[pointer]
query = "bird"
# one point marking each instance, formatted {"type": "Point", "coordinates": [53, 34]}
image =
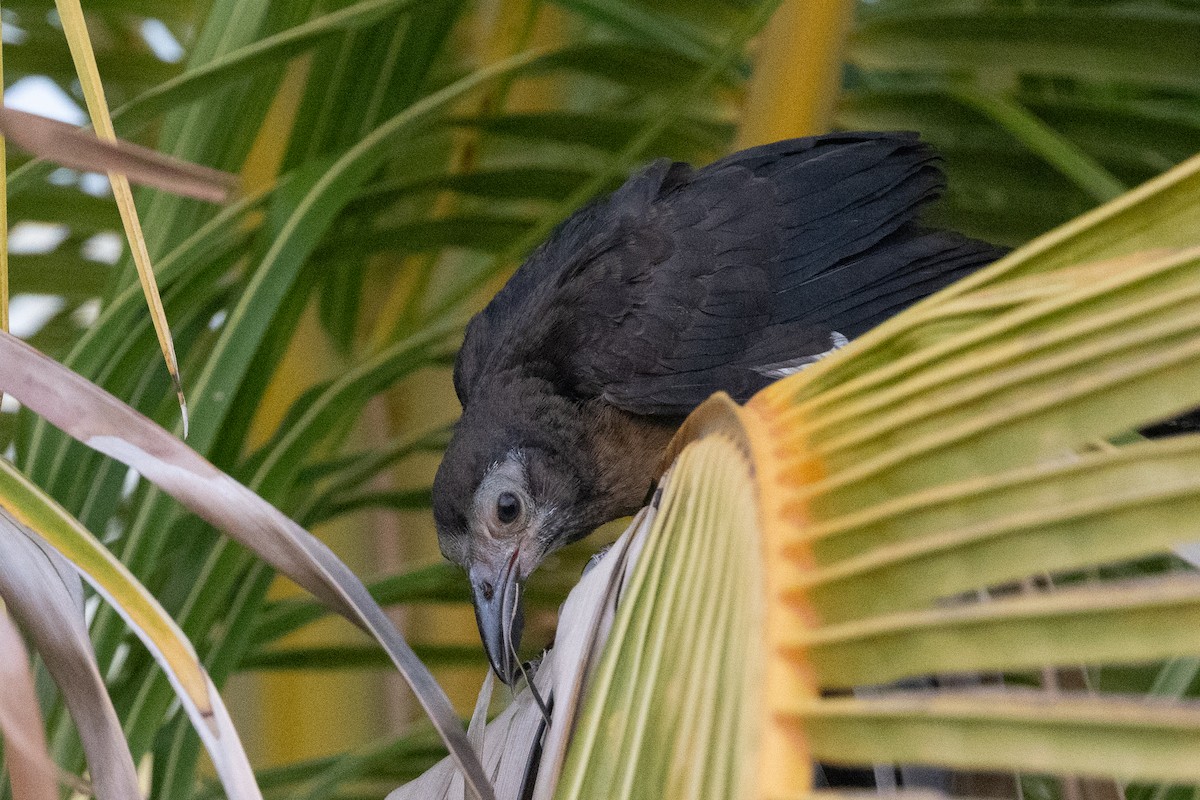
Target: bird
{"type": "Point", "coordinates": [682, 282]}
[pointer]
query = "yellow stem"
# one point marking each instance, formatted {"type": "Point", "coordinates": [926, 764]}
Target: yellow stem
{"type": "Point", "coordinates": [505, 27]}
{"type": "Point", "coordinates": [797, 73]}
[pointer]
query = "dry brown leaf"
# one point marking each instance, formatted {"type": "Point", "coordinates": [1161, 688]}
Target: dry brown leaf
{"type": "Point", "coordinates": [79, 148]}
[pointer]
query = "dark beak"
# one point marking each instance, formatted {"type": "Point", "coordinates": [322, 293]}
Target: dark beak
{"type": "Point", "coordinates": [497, 595]}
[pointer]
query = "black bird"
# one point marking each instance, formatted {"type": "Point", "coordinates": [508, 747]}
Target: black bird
{"type": "Point", "coordinates": [681, 283]}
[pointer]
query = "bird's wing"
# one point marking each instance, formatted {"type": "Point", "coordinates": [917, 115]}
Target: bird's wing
{"type": "Point", "coordinates": [687, 282]}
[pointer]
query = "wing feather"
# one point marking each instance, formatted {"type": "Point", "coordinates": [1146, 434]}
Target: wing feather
{"type": "Point", "coordinates": [685, 282]}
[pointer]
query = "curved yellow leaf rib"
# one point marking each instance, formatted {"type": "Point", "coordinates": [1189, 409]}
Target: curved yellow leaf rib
{"type": "Point", "coordinates": [674, 707]}
{"type": "Point", "coordinates": [782, 764]}
{"type": "Point", "coordinates": [1059, 326]}
{"type": "Point", "coordinates": [1036, 492]}
{"type": "Point", "coordinates": [1004, 729]}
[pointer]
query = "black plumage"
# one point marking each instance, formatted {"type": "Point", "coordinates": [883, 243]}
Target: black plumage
{"type": "Point", "coordinates": [681, 283]}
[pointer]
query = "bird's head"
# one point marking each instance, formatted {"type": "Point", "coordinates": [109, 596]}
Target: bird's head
{"type": "Point", "coordinates": [507, 494]}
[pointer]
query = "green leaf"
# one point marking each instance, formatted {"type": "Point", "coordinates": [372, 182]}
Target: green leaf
{"type": "Point", "coordinates": [1088, 625]}
{"type": "Point", "coordinates": [515, 183]}
{"type": "Point", "coordinates": [400, 500]}
{"type": "Point", "coordinates": [353, 470]}
{"type": "Point", "coordinates": [58, 272]}
{"type": "Point", "coordinates": [652, 69]}
{"type": "Point", "coordinates": [644, 25]}
{"type": "Point", "coordinates": [84, 212]}
{"type": "Point", "coordinates": [1176, 676]}
{"type": "Point", "coordinates": [604, 130]}
{"type": "Point", "coordinates": [299, 235]}
{"type": "Point", "coordinates": [44, 52]}
{"type": "Point", "coordinates": [239, 64]}
{"type": "Point", "coordinates": [1148, 45]}
{"type": "Point", "coordinates": [395, 759]}
{"type": "Point", "coordinates": [1008, 729]}
{"type": "Point", "coordinates": [436, 583]}
{"type": "Point", "coordinates": [1043, 140]}
{"type": "Point", "coordinates": [482, 232]}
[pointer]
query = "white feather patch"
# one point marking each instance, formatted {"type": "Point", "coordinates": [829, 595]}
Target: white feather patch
{"type": "Point", "coordinates": [785, 368]}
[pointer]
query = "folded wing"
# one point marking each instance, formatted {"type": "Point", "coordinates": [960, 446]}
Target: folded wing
{"type": "Point", "coordinates": [685, 282]}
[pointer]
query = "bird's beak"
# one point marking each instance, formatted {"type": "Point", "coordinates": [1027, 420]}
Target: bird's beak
{"type": "Point", "coordinates": [496, 590]}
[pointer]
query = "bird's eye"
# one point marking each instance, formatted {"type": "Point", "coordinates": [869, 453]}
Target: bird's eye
{"type": "Point", "coordinates": [508, 507]}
